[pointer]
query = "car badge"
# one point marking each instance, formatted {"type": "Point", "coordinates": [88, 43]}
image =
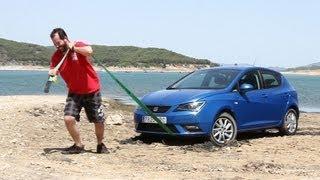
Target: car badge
{"type": "Point", "coordinates": [155, 109]}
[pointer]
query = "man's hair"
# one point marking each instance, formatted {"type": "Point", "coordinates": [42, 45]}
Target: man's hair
{"type": "Point", "coordinates": [62, 34]}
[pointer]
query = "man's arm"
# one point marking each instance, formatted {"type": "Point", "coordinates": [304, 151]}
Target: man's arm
{"type": "Point", "coordinates": [53, 63]}
{"type": "Point", "coordinates": [85, 50]}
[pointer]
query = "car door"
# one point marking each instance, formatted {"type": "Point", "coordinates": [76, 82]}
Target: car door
{"type": "Point", "coordinates": [276, 96]}
{"type": "Point", "coordinates": [250, 107]}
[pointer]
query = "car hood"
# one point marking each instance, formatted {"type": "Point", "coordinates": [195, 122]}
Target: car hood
{"type": "Point", "coordinates": [177, 96]}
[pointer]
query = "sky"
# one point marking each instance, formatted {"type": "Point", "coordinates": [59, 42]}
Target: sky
{"type": "Point", "coordinates": [281, 33]}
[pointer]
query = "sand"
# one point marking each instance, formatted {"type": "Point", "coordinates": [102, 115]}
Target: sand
{"type": "Point", "coordinates": [32, 131]}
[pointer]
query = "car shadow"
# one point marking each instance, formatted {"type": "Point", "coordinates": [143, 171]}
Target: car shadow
{"type": "Point", "coordinates": [243, 138]}
{"type": "Point", "coordinates": [246, 136]}
{"type": "Point", "coordinates": [164, 139]}
{"type": "Point", "coordinates": [313, 131]}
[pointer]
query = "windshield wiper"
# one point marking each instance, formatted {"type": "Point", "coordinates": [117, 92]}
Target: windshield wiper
{"type": "Point", "coordinates": [168, 88]}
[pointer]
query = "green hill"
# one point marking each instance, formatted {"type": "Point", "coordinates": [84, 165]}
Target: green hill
{"type": "Point", "coordinates": [17, 53]}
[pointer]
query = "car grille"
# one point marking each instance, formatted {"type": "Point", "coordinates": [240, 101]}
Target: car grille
{"type": "Point", "coordinates": [159, 109]}
{"type": "Point", "coordinates": [155, 127]}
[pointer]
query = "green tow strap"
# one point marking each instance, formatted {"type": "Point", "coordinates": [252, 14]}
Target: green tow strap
{"type": "Point", "coordinates": [143, 106]}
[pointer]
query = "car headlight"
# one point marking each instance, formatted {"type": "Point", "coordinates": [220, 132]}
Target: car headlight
{"type": "Point", "coordinates": [192, 106]}
{"type": "Point", "coordinates": [138, 108]}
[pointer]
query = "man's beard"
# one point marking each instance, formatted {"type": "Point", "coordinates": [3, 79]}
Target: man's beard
{"type": "Point", "coordinates": [63, 48]}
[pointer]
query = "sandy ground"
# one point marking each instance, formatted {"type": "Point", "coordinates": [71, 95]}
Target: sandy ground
{"type": "Point", "coordinates": [32, 134]}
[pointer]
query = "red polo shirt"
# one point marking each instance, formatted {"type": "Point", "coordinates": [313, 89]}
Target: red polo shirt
{"type": "Point", "coordinates": [77, 71]}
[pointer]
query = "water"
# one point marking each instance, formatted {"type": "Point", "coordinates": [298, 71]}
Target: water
{"type": "Point", "coordinates": [32, 83]}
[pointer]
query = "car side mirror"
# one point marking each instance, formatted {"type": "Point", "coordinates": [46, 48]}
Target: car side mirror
{"type": "Point", "coordinates": [246, 87]}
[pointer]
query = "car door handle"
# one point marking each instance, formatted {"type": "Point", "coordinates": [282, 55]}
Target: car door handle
{"type": "Point", "coordinates": [264, 95]}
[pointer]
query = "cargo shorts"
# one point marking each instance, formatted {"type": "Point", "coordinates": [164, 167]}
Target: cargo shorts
{"type": "Point", "coordinates": [91, 104]}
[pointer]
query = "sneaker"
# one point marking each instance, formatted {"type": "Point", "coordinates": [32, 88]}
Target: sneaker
{"type": "Point", "coordinates": [101, 148]}
{"type": "Point", "coordinates": [74, 149]}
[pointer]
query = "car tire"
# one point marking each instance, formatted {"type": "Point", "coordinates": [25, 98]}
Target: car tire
{"type": "Point", "coordinates": [290, 123]}
{"type": "Point", "coordinates": [224, 130]}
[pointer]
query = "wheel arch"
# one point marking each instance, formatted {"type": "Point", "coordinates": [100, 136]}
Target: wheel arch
{"type": "Point", "coordinates": [228, 110]}
{"type": "Point", "coordinates": [296, 108]}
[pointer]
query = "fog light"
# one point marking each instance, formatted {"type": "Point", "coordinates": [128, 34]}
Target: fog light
{"type": "Point", "coordinates": [192, 128]}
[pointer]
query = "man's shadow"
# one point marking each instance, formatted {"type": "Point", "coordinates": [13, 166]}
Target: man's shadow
{"type": "Point", "coordinates": [47, 151]}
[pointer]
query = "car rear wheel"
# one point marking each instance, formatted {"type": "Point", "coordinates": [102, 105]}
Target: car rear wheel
{"type": "Point", "coordinates": [290, 123]}
{"type": "Point", "coordinates": [224, 130]}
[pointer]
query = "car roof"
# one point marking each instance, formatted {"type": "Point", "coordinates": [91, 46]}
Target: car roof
{"type": "Point", "coordinates": [242, 68]}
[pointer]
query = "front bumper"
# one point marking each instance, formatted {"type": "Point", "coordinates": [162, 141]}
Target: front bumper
{"type": "Point", "coordinates": [180, 123]}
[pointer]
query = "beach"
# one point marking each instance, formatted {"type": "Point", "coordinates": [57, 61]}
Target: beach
{"type": "Point", "coordinates": [304, 72]}
{"type": "Point", "coordinates": [169, 68]}
{"type": "Point", "coordinates": [32, 133]}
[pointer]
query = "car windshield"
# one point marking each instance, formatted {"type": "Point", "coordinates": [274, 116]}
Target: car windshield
{"type": "Point", "coordinates": [206, 79]}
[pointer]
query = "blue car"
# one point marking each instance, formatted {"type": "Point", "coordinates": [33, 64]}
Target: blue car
{"type": "Point", "coordinates": [221, 102]}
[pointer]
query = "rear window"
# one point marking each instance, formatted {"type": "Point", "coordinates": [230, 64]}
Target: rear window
{"type": "Point", "coordinates": [270, 79]}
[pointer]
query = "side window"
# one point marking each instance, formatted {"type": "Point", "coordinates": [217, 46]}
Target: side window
{"type": "Point", "coordinates": [270, 79]}
{"type": "Point", "coordinates": [251, 78]}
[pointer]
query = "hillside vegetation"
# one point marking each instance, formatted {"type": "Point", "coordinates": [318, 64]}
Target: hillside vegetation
{"type": "Point", "coordinates": [18, 53]}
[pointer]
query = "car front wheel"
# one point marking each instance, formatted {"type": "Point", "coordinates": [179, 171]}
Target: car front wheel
{"type": "Point", "coordinates": [290, 123]}
{"type": "Point", "coordinates": [224, 130]}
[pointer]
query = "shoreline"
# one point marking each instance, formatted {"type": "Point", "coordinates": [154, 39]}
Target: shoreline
{"type": "Point", "coordinates": [180, 69]}
{"type": "Point", "coordinates": [303, 72]}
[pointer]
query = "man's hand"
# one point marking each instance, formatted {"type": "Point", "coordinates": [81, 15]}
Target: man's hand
{"type": "Point", "coordinates": [52, 72]}
{"type": "Point", "coordinates": [69, 44]}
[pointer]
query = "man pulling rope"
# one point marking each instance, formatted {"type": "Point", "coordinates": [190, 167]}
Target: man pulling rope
{"type": "Point", "coordinates": [83, 88]}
